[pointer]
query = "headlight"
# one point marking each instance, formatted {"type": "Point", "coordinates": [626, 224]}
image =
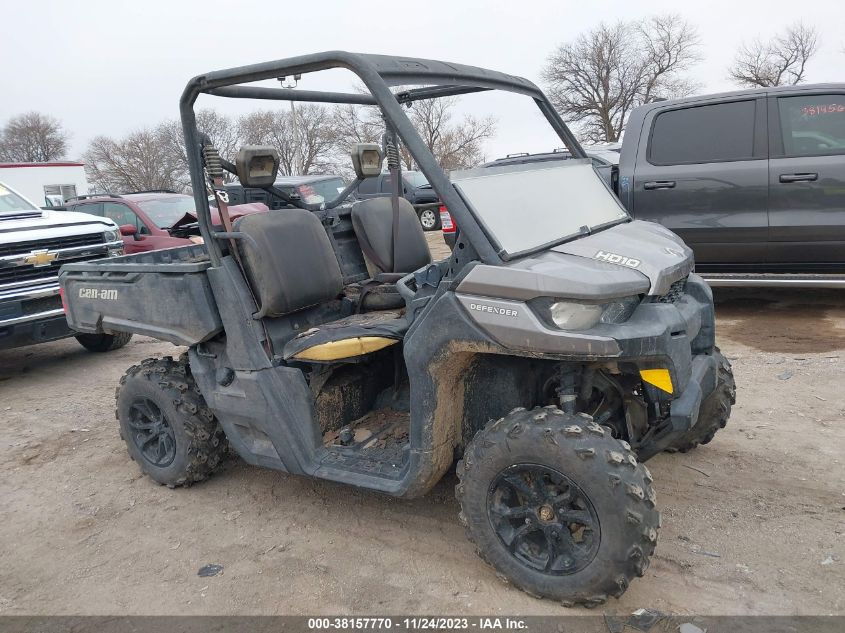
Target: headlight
{"type": "Point", "coordinates": [577, 315]}
{"type": "Point", "coordinates": [111, 235]}
{"type": "Point", "coordinates": [196, 239]}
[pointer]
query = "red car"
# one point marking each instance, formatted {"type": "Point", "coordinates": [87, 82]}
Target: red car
{"type": "Point", "coordinates": [152, 220]}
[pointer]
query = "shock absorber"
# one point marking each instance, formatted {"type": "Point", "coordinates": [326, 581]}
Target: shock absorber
{"type": "Point", "coordinates": [391, 151]}
{"type": "Point", "coordinates": [213, 164]}
{"type": "Point", "coordinates": [567, 392]}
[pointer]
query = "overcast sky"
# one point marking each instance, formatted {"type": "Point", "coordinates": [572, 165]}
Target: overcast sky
{"type": "Point", "coordinates": [108, 67]}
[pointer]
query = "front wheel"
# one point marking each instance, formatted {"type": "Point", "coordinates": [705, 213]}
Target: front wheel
{"type": "Point", "coordinates": [103, 342]}
{"type": "Point", "coordinates": [714, 411]}
{"type": "Point", "coordinates": [167, 426]}
{"type": "Point", "coordinates": [557, 506]}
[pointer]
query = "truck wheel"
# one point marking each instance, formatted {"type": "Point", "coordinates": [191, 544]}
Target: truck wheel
{"type": "Point", "coordinates": [557, 506]}
{"type": "Point", "coordinates": [103, 342]}
{"type": "Point", "coordinates": [167, 427]}
{"type": "Point", "coordinates": [429, 219]}
{"type": "Point", "coordinates": [715, 410]}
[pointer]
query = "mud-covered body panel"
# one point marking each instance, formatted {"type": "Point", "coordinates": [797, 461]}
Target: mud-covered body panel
{"type": "Point", "coordinates": [656, 334]}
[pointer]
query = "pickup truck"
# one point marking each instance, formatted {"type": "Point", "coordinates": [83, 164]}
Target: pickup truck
{"type": "Point", "coordinates": [415, 189]}
{"type": "Point", "coordinates": [752, 180]}
{"type": "Point", "coordinates": [34, 243]}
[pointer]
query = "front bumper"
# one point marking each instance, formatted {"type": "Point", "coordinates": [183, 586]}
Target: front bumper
{"type": "Point", "coordinates": [684, 410]}
{"type": "Point", "coordinates": [659, 334]}
{"type": "Point", "coordinates": [32, 315]}
{"type": "Point", "coordinates": [31, 332]}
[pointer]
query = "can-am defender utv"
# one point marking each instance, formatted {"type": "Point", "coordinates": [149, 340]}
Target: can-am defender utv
{"type": "Point", "coordinates": [559, 346]}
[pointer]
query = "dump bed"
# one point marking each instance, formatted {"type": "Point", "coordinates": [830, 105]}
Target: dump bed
{"type": "Point", "coordinates": [164, 294]}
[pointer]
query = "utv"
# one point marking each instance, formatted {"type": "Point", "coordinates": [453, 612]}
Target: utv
{"type": "Point", "coordinates": [558, 347]}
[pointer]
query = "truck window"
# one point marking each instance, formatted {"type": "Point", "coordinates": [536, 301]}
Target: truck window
{"type": "Point", "coordinates": [369, 186]}
{"type": "Point", "coordinates": [10, 202]}
{"type": "Point", "coordinates": [121, 214]}
{"type": "Point", "coordinates": [94, 208]}
{"type": "Point", "coordinates": [703, 134]}
{"type": "Point", "coordinates": [812, 125]}
{"type": "Point", "coordinates": [386, 184]}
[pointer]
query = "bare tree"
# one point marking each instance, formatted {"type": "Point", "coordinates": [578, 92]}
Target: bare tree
{"type": "Point", "coordinates": [455, 145]}
{"type": "Point", "coordinates": [305, 138]}
{"type": "Point", "coordinates": [138, 162]}
{"type": "Point", "coordinates": [356, 124]}
{"type": "Point", "coordinates": [779, 62]}
{"type": "Point", "coordinates": [600, 77]}
{"type": "Point", "coordinates": [221, 130]}
{"type": "Point", "coordinates": [33, 138]}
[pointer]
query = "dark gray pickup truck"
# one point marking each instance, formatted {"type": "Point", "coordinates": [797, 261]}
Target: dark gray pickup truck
{"type": "Point", "coordinates": [753, 181]}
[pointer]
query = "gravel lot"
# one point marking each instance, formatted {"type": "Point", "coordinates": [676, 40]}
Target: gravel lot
{"type": "Point", "coordinates": [752, 523]}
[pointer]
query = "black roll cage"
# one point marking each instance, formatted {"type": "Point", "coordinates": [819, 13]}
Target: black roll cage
{"type": "Point", "coordinates": [378, 73]}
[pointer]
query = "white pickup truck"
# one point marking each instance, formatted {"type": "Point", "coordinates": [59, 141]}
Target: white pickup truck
{"type": "Point", "coordinates": [34, 243]}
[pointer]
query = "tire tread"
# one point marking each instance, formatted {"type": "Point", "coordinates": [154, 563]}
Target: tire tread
{"type": "Point", "coordinates": [207, 444]}
{"type": "Point", "coordinates": [584, 439]}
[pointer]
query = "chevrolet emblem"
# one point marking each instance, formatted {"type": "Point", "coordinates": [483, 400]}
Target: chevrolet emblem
{"type": "Point", "coordinates": [39, 258]}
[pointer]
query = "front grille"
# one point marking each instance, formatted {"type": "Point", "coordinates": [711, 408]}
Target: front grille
{"type": "Point", "coordinates": [676, 291]}
{"type": "Point", "coordinates": [52, 244]}
{"type": "Point", "coordinates": [17, 274]}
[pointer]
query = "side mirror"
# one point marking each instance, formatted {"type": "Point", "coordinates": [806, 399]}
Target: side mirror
{"type": "Point", "coordinates": [366, 160]}
{"type": "Point", "coordinates": [128, 229]}
{"type": "Point", "coordinates": [257, 165]}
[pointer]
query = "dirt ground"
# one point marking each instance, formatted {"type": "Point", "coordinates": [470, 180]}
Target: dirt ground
{"type": "Point", "coordinates": [753, 523]}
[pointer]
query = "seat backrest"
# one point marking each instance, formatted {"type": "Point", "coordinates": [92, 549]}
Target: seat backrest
{"type": "Point", "coordinates": [372, 221]}
{"type": "Point", "coordinates": [289, 261]}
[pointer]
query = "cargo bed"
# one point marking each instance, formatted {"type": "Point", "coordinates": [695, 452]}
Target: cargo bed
{"type": "Point", "coordinates": [164, 294]}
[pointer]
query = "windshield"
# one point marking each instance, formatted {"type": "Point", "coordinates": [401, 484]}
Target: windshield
{"type": "Point", "coordinates": [321, 190]}
{"type": "Point", "coordinates": [415, 179]}
{"type": "Point", "coordinates": [10, 201]}
{"type": "Point", "coordinates": [525, 207]}
{"type": "Point", "coordinates": [164, 212]}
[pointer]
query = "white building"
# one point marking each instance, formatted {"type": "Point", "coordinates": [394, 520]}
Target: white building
{"type": "Point", "coordinates": [46, 184]}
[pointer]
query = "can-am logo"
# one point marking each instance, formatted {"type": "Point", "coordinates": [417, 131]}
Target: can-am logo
{"type": "Point", "coordinates": [613, 258]}
{"type": "Point", "coordinates": [493, 309]}
{"type": "Point", "coordinates": [98, 293]}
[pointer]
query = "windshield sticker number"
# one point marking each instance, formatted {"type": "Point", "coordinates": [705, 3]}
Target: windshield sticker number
{"type": "Point", "coordinates": [825, 108]}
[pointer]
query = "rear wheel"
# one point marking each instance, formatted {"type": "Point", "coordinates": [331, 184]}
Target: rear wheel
{"type": "Point", "coordinates": [429, 219]}
{"type": "Point", "coordinates": [560, 508]}
{"type": "Point", "coordinates": [714, 412]}
{"type": "Point", "coordinates": [103, 342]}
{"type": "Point", "coordinates": [167, 427]}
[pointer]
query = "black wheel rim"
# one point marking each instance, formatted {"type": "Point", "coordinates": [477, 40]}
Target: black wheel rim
{"type": "Point", "coordinates": [543, 519]}
{"type": "Point", "coordinates": [151, 433]}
